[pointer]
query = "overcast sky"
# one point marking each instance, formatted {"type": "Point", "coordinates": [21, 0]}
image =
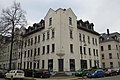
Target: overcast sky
{"type": "Point", "coordinates": [105, 14]}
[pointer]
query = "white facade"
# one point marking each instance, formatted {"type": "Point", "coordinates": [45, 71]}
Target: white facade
{"type": "Point", "coordinates": [60, 58]}
{"type": "Point", "coordinates": [59, 48]}
{"type": "Point", "coordinates": [110, 50]}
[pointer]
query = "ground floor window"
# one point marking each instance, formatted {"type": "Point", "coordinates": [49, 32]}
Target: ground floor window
{"type": "Point", "coordinates": [72, 64]}
{"type": "Point", "coordinates": [50, 64]}
{"type": "Point", "coordinates": [83, 64]}
{"type": "Point", "coordinates": [90, 62]}
{"type": "Point", "coordinates": [43, 64]}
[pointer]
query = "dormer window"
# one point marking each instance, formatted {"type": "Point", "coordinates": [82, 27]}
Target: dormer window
{"type": "Point", "coordinates": [70, 21]}
{"type": "Point", "coordinates": [50, 21]}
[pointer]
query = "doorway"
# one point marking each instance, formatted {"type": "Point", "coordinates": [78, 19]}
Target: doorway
{"type": "Point", "coordinates": [60, 65]}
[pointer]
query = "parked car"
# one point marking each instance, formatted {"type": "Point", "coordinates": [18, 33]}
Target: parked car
{"type": "Point", "coordinates": [110, 72]}
{"type": "Point", "coordinates": [43, 73]}
{"type": "Point", "coordinates": [15, 74]}
{"type": "Point", "coordinates": [96, 73]}
{"type": "Point", "coordinates": [2, 73]}
{"type": "Point", "coordinates": [81, 72]}
{"type": "Point", "coordinates": [116, 70]}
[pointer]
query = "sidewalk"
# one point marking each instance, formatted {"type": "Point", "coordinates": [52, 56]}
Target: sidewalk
{"type": "Point", "coordinates": [63, 78]}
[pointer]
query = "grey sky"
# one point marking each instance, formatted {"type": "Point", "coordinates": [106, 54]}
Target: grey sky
{"type": "Point", "coordinates": [103, 13]}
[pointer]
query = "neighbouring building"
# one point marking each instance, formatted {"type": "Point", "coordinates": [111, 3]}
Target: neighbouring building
{"type": "Point", "coordinates": [5, 51]}
{"type": "Point", "coordinates": [59, 42]}
{"type": "Point", "coordinates": [110, 49]}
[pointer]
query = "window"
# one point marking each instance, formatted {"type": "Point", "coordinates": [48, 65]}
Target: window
{"type": "Point", "coordinates": [38, 64]}
{"type": "Point", "coordinates": [103, 64]}
{"type": "Point", "coordinates": [25, 54]}
{"type": "Point", "coordinates": [72, 64]}
{"type": "Point", "coordinates": [19, 55]}
{"type": "Point", "coordinates": [35, 52]}
{"type": "Point", "coordinates": [102, 49]}
{"type": "Point", "coordinates": [35, 39]}
{"type": "Point", "coordinates": [116, 47]}
{"type": "Point", "coordinates": [28, 42]}
{"type": "Point", "coordinates": [96, 41]}
{"type": "Point", "coordinates": [43, 36]}
{"type": "Point", "coordinates": [31, 52]}
{"type": "Point", "coordinates": [111, 64]}
{"type": "Point", "coordinates": [89, 39]}
{"type": "Point", "coordinates": [97, 52]}
{"type": "Point", "coordinates": [48, 35]}
{"type": "Point", "coordinates": [24, 65]}
{"type": "Point", "coordinates": [89, 51]}
{"type": "Point", "coordinates": [80, 49]}
{"type": "Point", "coordinates": [71, 48]}
{"type": "Point", "coordinates": [34, 65]}
{"type": "Point", "coordinates": [27, 65]}
{"type": "Point", "coordinates": [50, 21]}
{"type": "Point", "coordinates": [80, 36]}
{"type": "Point", "coordinates": [38, 51]}
{"type": "Point", "coordinates": [83, 38]}
{"type": "Point", "coordinates": [25, 43]}
{"type": "Point", "coordinates": [103, 56]}
{"type": "Point", "coordinates": [117, 55]}
{"type": "Point", "coordinates": [109, 47]}
{"type": "Point", "coordinates": [71, 34]}
{"type": "Point", "coordinates": [93, 41]}
{"type": "Point", "coordinates": [90, 62]}
{"type": "Point", "coordinates": [28, 53]}
{"type": "Point", "coordinates": [94, 52]}
{"type": "Point", "coordinates": [38, 38]}
{"type": "Point", "coordinates": [47, 48]}
{"type": "Point", "coordinates": [118, 63]}
{"type": "Point", "coordinates": [31, 41]}
{"type": "Point", "coordinates": [43, 64]}
{"type": "Point", "coordinates": [84, 50]}
{"type": "Point", "coordinates": [50, 64]}
{"type": "Point", "coordinates": [53, 47]}
{"type": "Point", "coordinates": [30, 65]}
{"type": "Point", "coordinates": [53, 33]}
{"type": "Point", "coordinates": [43, 50]}
{"type": "Point", "coordinates": [110, 55]}
{"type": "Point", "coordinates": [70, 21]}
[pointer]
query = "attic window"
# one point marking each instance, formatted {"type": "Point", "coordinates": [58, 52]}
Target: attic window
{"type": "Point", "coordinates": [70, 21]}
{"type": "Point", "coordinates": [50, 21]}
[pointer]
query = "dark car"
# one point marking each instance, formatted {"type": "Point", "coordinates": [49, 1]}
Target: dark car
{"type": "Point", "coordinates": [2, 73]}
{"type": "Point", "coordinates": [110, 72]}
{"type": "Point", "coordinates": [81, 72]}
{"type": "Point", "coordinates": [96, 73]}
{"type": "Point", "coordinates": [43, 73]}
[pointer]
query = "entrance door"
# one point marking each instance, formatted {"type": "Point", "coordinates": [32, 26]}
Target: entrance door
{"type": "Point", "coordinates": [60, 65]}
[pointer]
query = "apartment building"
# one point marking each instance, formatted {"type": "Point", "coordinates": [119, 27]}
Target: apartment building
{"type": "Point", "coordinates": [5, 53]}
{"type": "Point", "coordinates": [110, 49]}
{"type": "Point", "coordinates": [59, 42]}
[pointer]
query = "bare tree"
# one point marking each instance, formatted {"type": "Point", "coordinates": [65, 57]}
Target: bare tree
{"type": "Point", "coordinates": [11, 18]}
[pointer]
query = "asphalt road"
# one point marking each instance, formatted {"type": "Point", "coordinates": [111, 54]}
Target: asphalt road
{"type": "Point", "coordinates": [76, 78]}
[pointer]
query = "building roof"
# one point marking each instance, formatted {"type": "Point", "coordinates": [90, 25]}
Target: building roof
{"type": "Point", "coordinates": [86, 26]}
{"type": "Point", "coordinates": [109, 37]}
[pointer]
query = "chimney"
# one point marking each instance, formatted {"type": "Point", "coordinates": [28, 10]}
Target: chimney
{"type": "Point", "coordinates": [108, 32]}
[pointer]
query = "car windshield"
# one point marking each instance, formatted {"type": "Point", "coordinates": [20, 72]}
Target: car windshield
{"type": "Point", "coordinates": [12, 71]}
{"type": "Point", "coordinates": [20, 71]}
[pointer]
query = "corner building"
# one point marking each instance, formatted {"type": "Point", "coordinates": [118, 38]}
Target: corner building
{"type": "Point", "coordinates": [60, 43]}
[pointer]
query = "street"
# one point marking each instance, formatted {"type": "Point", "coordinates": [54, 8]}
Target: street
{"type": "Point", "coordinates": [77, 78]}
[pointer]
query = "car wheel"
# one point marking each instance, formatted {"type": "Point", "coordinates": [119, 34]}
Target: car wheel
{"type": "Point", "coordinates": [41, 76]}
